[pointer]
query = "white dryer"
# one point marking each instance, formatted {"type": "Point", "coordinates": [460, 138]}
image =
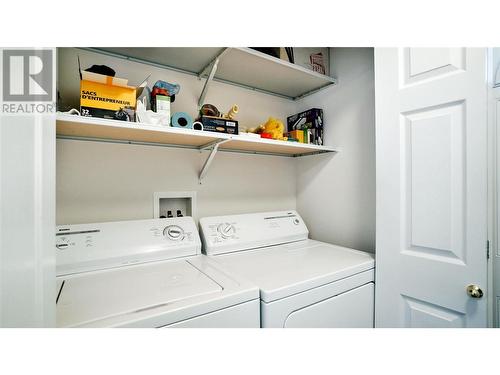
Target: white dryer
{"type": "Point", "coordinates": [303, 283]}
{"type": "Point", "coordinates": [146, 273]}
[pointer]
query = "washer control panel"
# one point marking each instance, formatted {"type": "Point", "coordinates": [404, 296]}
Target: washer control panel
{"type": "Point", "coordinates": [83, 247]}
{"type": "Point", "coordinates": [223, 234]}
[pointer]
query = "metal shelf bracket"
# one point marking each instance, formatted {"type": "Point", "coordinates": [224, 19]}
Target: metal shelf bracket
{"type": "Point", "coordinates": [211, 75]}
{"type": "Point", "coordinates": [214, 146]}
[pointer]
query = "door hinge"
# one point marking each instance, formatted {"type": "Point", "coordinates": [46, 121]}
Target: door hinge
{"type": "Point", "coordinates": [487, 249]}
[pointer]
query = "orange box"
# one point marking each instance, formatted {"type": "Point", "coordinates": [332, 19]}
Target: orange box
{"type": "Point", "coordinates": [102, 96]}
{"type": "Point", "coordinates": [298, 134]}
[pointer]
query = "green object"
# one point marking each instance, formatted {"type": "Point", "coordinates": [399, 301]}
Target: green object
{"type": "Point", "coordinates": [162, 103]}
{"type": "Point", "coordinates": [305, 129]}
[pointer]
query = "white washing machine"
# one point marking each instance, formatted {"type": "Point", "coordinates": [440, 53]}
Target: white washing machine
{"type": "Point", "coordinates": [146, 273]}
{"type": "Point", "coordinates": [303, 283]}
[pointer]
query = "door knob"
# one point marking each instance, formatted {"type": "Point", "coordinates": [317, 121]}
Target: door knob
{"type": "Point", "coordinates": [474, 291]}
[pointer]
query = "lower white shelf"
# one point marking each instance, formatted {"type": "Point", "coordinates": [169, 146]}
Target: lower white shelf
{"type": "Point", "coordinates": [104, 130]}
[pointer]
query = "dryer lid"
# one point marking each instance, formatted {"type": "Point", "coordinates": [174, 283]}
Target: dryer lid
{"type": "Point", "coordinates": [226, 234]}
{"type": "Point", "coordinates": [88, 247]}
{"type": "Point", "coordinates": [93, 296]}
{"type": "Point", "coordinates": [284, 270]}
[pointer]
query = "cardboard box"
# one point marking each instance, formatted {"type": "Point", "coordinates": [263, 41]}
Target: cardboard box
{"type": "Point", "coordinates": [102, 96]}
{"type": "Point", "coordinates": [219, 125]}
{"type": "Point", "coordinates": [302, 57]}
{"type": "Point", "coordinates": [311, 121]}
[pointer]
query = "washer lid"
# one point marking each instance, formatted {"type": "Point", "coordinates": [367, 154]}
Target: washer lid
{"type": "Point", "coordinates": [93, 296]}
{"type": "Point", "coordinates": [283, 270]}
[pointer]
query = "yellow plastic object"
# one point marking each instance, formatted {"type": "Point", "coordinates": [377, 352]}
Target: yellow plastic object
{"type": "Point", "coordinates": [232, 112]}
{"type": "Point", "coordinates": [274, 127]}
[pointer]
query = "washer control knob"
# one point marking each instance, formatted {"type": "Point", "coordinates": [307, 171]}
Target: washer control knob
{"type": "Point", "coordinates": [226, 230]}
{"type": "Point", "coordinates": [174, 232]}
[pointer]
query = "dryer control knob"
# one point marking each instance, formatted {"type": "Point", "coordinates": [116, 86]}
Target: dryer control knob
{"type": "Point", "coordinates": [226, 230]}
{"type": "Point", "coordinates": [174, 232]}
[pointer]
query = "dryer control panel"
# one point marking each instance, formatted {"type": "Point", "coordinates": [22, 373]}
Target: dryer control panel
{"type": "Point", "coordinates": [225, 234]}
{"type": "Point", "coordinates": [87, 247]}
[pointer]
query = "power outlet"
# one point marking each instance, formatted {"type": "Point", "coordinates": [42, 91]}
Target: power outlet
{"type": "Point", "coordinates": [173, 203]}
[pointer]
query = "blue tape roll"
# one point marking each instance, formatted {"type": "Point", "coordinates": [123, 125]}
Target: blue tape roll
{"type": "Point", "coordinates": [182, 120]}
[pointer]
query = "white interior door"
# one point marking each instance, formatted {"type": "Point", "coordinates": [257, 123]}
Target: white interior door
{"type": "Point", "coordinates": [431, 139]}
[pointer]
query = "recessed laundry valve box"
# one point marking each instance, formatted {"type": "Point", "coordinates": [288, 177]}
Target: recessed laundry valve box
{"type": "Point", "coordinates": [169, 204]}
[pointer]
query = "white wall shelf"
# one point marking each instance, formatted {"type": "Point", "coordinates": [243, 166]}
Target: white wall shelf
{"type": "Point", "coordinates": [103, 130]}
{"type": "Point", "coordinates": [242, 67]}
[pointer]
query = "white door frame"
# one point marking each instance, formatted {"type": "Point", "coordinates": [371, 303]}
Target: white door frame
{"type": "Point", "coordinates": [27, 218]}
{"type": "Point", "coordinates": [493, 187]}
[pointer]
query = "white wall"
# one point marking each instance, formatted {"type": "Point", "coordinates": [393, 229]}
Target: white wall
{"type": "Point", "coordinates": [105, 182]}
{"type": "Point", "coordinates": [336, 195]}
